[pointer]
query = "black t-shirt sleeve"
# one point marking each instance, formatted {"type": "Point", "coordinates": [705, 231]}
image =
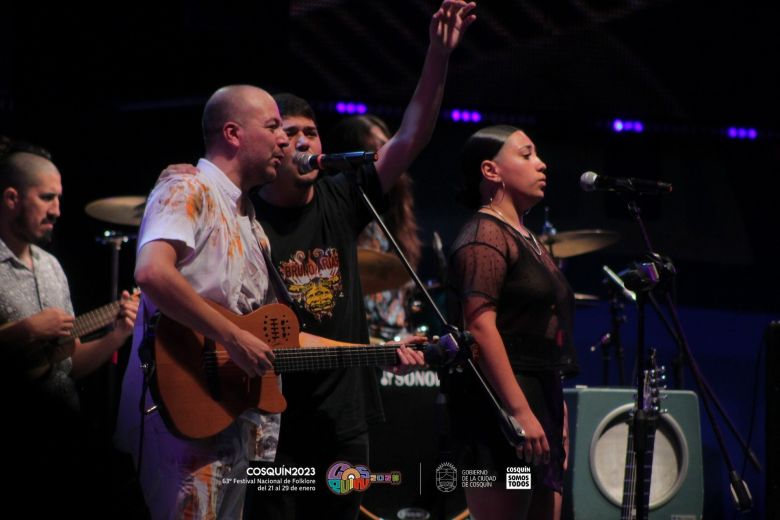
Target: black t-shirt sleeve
{"type": "Point", "coordinates": [479, 264]}
{"type": "Point", "coordinates": [478, 270]}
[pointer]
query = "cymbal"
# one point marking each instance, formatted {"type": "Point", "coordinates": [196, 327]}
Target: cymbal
{"type": "Point", "coordinates": [573, 243]}
{"type": "Point", "coordinates": [380, 271]}
{"type": "Point", "coordinates": [582, 299]}
{"type": "Point", "coordinates": [127, 210]}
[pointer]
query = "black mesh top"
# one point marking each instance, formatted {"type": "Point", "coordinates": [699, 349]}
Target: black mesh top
{"type": "Point", "coordinates": [500, 268]}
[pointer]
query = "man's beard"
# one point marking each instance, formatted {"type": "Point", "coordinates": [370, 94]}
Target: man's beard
{"type": "Point", "coordinates": [44, 239]}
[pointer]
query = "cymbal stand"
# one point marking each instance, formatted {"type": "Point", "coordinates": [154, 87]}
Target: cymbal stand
{"type": "Point", "coordinates": [618, 292]}
{"type": "Point", "coordinates": [114, 239]}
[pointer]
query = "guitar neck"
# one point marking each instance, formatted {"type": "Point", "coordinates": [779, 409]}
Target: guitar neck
{"type": "Point", "coordinates": [324, 358]}
{"type": "Point", "coordinates": [628, 509]}
{"type": "Point", "coordinates": [95, 320]}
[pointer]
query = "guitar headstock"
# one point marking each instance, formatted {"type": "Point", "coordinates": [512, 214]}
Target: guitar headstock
{"type": "Point", "coordinates": [654, 382]}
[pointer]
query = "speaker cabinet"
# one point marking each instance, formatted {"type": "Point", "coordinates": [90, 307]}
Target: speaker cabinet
{"type": "Point", "coordinates": [598, 424]}
{"type": "Point", "coordinates": [772, 419]}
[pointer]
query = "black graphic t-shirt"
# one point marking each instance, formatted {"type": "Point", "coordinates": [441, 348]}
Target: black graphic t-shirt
{"type": "Point", "coordinates": [314, 249]}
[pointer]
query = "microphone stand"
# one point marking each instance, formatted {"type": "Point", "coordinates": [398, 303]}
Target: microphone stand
{"type": "Point", "coordinates": [615, 339]}
{"type": "Point", "coordinates": [666, 272]}
{"type": "Point", "coordinates": [509, 425]}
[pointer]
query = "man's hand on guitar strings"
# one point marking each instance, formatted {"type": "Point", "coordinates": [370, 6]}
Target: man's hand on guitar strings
{"type": "Point", "coordinates": [409, 359]}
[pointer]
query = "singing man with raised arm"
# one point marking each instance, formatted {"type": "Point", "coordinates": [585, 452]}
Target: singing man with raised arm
{"type": "Point", "coordinates": [313, 226]}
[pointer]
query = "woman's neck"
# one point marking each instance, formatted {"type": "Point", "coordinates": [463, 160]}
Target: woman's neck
{"type": "Point", "coordinates": [507, 212]}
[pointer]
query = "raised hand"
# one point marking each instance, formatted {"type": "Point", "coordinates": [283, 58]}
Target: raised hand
{"type": "Point", "coordinates": [450, 22]}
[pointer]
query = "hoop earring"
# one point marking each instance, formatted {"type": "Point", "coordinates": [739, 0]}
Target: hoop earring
{"type": "Point", "coordinates": [503, 192]}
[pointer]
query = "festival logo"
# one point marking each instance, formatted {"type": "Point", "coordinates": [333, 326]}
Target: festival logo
{"type": "Point", "coordinates": [343, 478]}
{"type": "Point", "coordinates": [314, 280]}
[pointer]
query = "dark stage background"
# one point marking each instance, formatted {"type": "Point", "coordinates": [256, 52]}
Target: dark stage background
{"type": "Point", "coordinates": [117, 96]}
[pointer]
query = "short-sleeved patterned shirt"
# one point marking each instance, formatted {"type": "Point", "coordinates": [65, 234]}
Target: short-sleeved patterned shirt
{"type": "Point", "coordinates": [28, 291]}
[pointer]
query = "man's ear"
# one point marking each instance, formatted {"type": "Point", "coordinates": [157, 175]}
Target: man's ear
{"type": "Point", "coordinates": [11, 198]}
{"type": "Point", "coordinates": [231, 133]}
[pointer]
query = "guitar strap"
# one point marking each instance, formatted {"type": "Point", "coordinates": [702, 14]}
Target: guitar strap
{"type": "Point", "coordinates": [146, 354]}
{"type": "Point", "coordinates": [280, 288]}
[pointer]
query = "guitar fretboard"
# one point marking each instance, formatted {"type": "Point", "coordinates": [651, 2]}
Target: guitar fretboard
{"type": "Point", "coordinates": [323, 358]}
{"type": "Point", "coordinates": [628, 509]}
{"type": "Point", "coordinates": [95, 319]}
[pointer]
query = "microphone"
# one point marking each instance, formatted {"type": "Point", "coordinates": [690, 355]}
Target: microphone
{"type": "Point", "coordinates": [307, 162]}
{"type": "Point", "coordinates": [591, 181]}
{"type": "Point", "coordinates": [438, 248]}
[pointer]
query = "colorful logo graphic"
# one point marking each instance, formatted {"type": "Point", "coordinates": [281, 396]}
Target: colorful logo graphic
{"type": "Point", "coordinates": [343, 478]}
{"type": "Point", "coordinates": [314, 280]}
{"type": "Point", "coordinates": [446, 477]}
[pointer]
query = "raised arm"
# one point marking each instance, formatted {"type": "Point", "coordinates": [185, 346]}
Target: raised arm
{"type": "Point", "coordinates": [446, 31]}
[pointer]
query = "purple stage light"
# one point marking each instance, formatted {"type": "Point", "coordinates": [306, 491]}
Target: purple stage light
{"type": "Point", "coordinates": [476, 117]}
{"type": "Point", "coordinates": [455, 115]}
{"type": "Point", "coordinates": [341, 107]}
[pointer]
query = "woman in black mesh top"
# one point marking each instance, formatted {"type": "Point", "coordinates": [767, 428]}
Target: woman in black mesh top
{"type": "Point", "coordinates": [511, 296]}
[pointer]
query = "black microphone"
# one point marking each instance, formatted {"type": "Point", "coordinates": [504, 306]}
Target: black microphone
{"type": "Point", "coordinates": [307, 162]}
{"type": "Point", "coordinates": [591, 181]}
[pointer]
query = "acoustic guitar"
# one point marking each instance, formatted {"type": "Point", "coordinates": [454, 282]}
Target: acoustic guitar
{"type": "Point", "coordinates": [200, 391]}
{"type": "Point", "coordinates": [33, 360]}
